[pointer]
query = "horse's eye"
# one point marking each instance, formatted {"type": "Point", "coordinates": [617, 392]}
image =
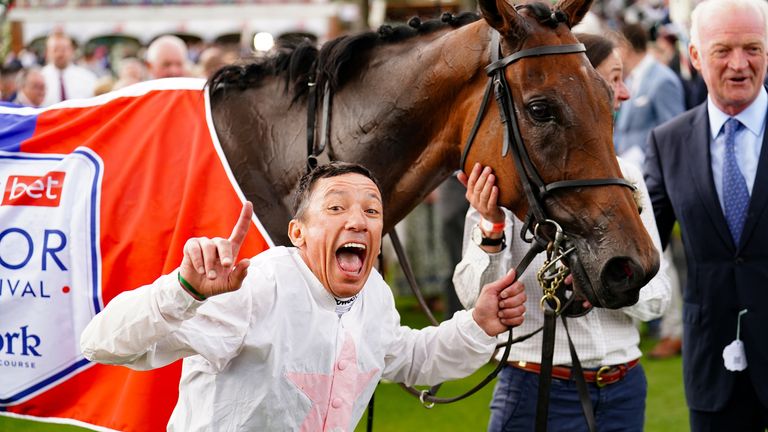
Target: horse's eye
{"type": "Point", "coordinates": [541, 111]}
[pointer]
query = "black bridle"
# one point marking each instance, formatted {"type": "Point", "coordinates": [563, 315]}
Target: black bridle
{"type": "Point", "coordinates": [536, 190]}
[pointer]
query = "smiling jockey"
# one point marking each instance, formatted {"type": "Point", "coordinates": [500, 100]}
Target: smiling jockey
{"type": "Point", "coordinates": [296, 338]}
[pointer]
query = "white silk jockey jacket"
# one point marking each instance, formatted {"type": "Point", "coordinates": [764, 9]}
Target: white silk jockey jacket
{"type": "Point", "coordinates": [274, 355]}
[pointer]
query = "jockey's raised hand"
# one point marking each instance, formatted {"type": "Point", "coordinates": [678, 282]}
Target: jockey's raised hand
{"type": "Point", "coordinates": [482, 193]}
{"type": "Point", "coordinates": [208, 263]}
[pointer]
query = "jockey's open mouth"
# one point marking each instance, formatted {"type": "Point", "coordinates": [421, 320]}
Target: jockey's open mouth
{"type": "Point", "coordinates": [351, 256]}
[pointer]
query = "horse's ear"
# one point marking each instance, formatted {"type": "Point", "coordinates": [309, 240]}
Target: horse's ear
{"type": "Point", "coordinates": [574, 9]}
{"type": "Point", "coordinates": [500, 15]}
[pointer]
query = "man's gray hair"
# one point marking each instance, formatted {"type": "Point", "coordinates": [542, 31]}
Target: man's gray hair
{"type": "Point", "coordinates": [21, 78]}
{"type": "Point", "coordinates": [725, 6]}
{"type": "Point", "coordinates": [170, 40]}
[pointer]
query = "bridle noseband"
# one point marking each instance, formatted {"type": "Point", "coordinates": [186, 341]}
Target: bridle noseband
{"type": "Point", "coordinates": [535, 187]}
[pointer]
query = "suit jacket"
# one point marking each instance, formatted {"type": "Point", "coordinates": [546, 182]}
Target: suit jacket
{"type": "Point", "coordinates": [658, 99]}
{"type": "Point", "coordinates": [723, 277]}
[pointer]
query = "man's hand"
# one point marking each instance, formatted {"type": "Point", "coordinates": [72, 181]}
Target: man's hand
{"type": "Point", "coordinates": [501, 304]}
{"type": "Point", "coordinates": [482, 193]}
{"type": "Point", "coordinates": [207, 263]}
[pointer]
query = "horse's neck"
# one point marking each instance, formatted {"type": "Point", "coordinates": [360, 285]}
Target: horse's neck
{"type": "Point", "coordinates": [405, 118]}
{"type": "Point", "coordinates": [263, 137]}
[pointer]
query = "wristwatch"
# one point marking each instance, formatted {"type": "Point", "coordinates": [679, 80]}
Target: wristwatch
{"type": "Point", "coordinates": [481, 240]}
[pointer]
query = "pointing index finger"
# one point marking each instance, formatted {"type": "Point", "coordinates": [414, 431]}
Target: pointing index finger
{"type": "Point", "coordinates": [241, 227]}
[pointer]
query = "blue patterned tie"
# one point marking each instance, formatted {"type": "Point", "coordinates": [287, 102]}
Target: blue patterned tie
{"type": "Point", "coordinates": [735, 192]}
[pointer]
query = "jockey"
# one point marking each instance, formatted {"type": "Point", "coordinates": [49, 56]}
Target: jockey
{"type": "Point", "coordinates": [297, 337]}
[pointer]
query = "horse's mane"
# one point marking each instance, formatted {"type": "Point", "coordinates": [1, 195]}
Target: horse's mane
{"type": "Point", "coordinates": [301, 63]}
{"type": "Point", "coordinates": [335, 63]}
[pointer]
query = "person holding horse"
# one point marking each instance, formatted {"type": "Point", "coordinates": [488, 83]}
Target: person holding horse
{"type": "Point", "coordinates": [606, 341]}
{"type": "Point", "coordinates": [296, 338]}
{"type": "Point", "coordinates": [707, 169]}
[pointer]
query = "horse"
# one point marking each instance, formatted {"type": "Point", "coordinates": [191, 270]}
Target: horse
{"type": "Point", "coordinates": [406, 102]}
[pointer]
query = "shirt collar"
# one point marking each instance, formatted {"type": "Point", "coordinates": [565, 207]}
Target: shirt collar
{"type": "Point", "coordinates": [753, 117]}
{"type": "Point", "coordinates": [320, 293]}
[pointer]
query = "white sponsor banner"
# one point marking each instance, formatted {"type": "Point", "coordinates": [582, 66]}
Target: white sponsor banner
{"type": "Point", "coordinates": [50, 267]}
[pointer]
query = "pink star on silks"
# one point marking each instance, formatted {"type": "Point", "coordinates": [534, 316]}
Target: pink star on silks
{"type": "Point", "coordinates": [334, 395]}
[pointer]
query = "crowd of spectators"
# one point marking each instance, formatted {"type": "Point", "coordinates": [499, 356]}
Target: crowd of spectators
{"type": "Point", "coordinates": [64, 72]}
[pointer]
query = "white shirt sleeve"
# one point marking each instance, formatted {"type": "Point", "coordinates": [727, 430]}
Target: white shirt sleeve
{"type": "Point", "coordinates": [655, 296]}
{"type": "Point", "coordinates": [478, 267]}
{"type": "Point", "coordinates": [433, 355]}
{"type": "Point", "coordinates": [157, 324]}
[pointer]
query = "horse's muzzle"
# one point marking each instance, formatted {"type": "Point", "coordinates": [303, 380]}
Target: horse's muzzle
{"type": "Point", "coordinates": [620, 281]}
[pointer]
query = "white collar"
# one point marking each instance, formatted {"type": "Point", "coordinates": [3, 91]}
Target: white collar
{"type": "Point", "coordinates": [753, 117]}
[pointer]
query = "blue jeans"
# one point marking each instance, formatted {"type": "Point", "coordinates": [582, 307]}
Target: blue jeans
{"type": "Point", "coordinates": [618, 407]}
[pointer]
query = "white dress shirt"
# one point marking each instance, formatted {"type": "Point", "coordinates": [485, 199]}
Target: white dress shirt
{"type": "Point", "coordinates": [274, 355]}
{"type": "Point", "coordinates": [79, 83]}
{"type": "Point", "coordinates": [749, 140]}
{"type": "Point", "coordinates": [603, 336]}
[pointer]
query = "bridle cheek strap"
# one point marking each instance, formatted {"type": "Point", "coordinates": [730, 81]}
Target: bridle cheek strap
{"type": "Point", "coordinates": [533, 185]}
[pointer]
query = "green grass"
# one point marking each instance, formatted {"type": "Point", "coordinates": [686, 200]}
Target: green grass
{"type": "Point", "coordinates": [397, 411]}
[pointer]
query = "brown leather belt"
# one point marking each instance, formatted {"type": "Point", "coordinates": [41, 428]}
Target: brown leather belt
{"type": "Point", "coordinates": [601, 377]}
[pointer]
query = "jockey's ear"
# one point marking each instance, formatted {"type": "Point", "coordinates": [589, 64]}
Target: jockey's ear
{"type": "Point", "coordinates": [296, 232]}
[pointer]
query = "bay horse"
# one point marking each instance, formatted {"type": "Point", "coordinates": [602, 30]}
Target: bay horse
{"type": "Point", "coordinates": [404, 101]}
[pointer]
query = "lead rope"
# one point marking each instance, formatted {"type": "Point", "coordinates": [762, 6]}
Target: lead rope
{"type": "Point", "coordinates": [427, 397]}
{"type": "Point", "coordinates": [581, 383]}
{"type": "Point", "coordinates": [551, 277]}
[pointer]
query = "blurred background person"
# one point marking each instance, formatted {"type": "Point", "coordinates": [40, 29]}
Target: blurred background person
{"type": "Point", "coordinates": [214, 58]}
{"type": "Point", "coordinates": [63, 79]}
{"type": "Point", "coordinates": [31, 87]}
{"type": "Point", "coordinates": [451, 207]}
{"type": "Point", "coordinates": [8, 84]}
{"type": "Point", "coordinates": [104, 84]}
{"type": "Point", "coordinates": [131, 71]}
{"type": "Point", "coordinates": [167, 57]}
{"type": "Point", "coordinates": [657, 96]}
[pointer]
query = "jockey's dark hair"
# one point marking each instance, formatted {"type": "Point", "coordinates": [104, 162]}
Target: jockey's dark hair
{"type": "Point", "coordinates": [333, 169]}
{"type": "Point", "coordinates": [300, 61]}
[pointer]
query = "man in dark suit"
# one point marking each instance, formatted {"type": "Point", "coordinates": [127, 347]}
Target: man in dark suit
{"type": "Point", "coordinates": [706, 170]}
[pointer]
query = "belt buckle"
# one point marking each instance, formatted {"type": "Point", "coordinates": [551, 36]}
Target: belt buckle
{"type": "Point", "coordinates": [599, 376]}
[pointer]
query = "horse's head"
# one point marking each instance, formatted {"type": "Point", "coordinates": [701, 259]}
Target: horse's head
{"type": "Point", "coordinates": [564, 115]}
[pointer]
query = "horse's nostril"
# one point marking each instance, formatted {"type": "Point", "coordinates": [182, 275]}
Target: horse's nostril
{"type": "Point", "coordinates": [627, 269]}
{"type": "Point", "coordinates": [622, 274]}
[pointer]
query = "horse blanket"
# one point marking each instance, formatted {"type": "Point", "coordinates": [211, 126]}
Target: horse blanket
{"type": "Point", "coordinates": [98, 197]}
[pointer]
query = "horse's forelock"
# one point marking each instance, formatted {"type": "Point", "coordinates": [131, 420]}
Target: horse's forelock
{"type": "Point", "coordinates": [544, 14]}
